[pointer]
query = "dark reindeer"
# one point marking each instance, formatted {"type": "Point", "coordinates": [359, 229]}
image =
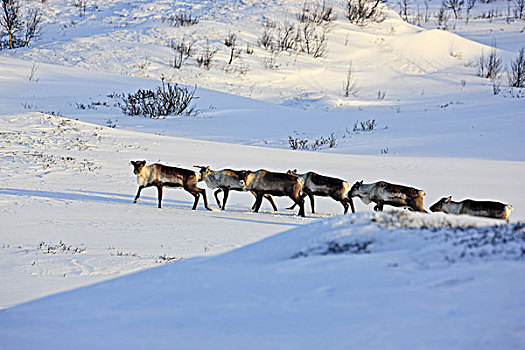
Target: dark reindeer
{"type": "Point", "coordinates": [262, 182]}
{"type": "Point", "coordinates": [487, 209]}
{"type": "Point", "coordinates": [324, 186]}
{"type": "Point", "coordinates": [382, 193]}
{"type": "Point", "coordinates": [159, 175]}
{"type": "Point", "coordinates": [227, 180]}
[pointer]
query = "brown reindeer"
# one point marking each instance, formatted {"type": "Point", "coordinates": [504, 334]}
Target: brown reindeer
{"type": "Point", "coordinates": [382, 193]}
{"type": "Point", "coordinates": [264, 182]}
{"type": "Point", "coordinates": [324, 186]}
{"type": "Point", "coordinates": [159, 175]}
{"type": "Point", "coordinates": [227, 180]}
{"type": "Point", "coordinates": [487, 209]}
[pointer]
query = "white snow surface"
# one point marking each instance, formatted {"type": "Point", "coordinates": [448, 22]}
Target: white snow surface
{"type": "Point", "coordinates": [82, 267]}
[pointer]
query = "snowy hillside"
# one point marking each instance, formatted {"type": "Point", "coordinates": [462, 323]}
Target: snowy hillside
{"type": "Point", "coordinates": [348, 282]}
{"type": "Point", "coordinates": [419, 85]}
{"type": "Point", "coordinates": [389, 100]}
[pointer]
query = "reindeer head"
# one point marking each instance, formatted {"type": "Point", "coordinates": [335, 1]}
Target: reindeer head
{"type": "Point", "coordinates": [204, 171]}
{"type": "Point", "coordinates": [354, 191]}
{"type": "Point", "coordinates": [137, 166]}
{"type": "Point", "coordinates": [438, 206]}
{"type": "Point", "coordinates": [246, 178]}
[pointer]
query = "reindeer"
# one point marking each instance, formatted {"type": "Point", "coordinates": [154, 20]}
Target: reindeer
{"type": "Point", "coordinates": [159, 175]}
{"type": "Point", "coordinates": [324, 186]}
{"type": "Point", "coordinates": [227, 180]}
{"type": "Point", "coordinates": [262, 182]}
{"type": "Point", "coordinates": [487, 209]}
{"type": "Point", "coordinates": [382, 193]}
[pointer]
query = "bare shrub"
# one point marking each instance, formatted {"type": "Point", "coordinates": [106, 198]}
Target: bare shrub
{"type": "Point", "coordinates": [17, 31]}
{"type": "Point", "coordinates": [231, 42]}
{"type": "Point", "coordinates": [454, 5]}
{"type": "Point", "coordinates": [403, 9]}
{"type": "Point", "coordinates": [317, 144]}
{"type": "Point", "coordinates": [442, 17]}
{"type": "Point", "coordinates": [470, 6]}
{"type": "Point", "coordinates": [270, 62]}
{"type": "Point", "coordinates": [364, 126]}
{"type": "Point", "coordinates": [496, 86]}
{"type": "Point", "coordinates": [313, 39]}
{"type": "Point", "coordinates": [317, 12]}
{"type": "Point", "coordinates": [297, 143]}
{"type": "Point", "coordinates": [349, 85]}
{"type": "Point", "coordinates": [361, 11]}
{"type": "Point", "coordinates": [516, 74]}
{"type": "Point", "coordinates": [168, 99]}
{"type": "Point", "coordinates": [207, 56]}
{"type": "Point", "coordinates": [32, 27]}
{"type": "Point", "coordinates": [181, 20]}
{"type": "Point", "coordinates": [519, 9]}
{"type": "Point", "coordinates": [266, 39]}
{"type": "Point", "coordinates": [286, 36]}
{"type": "Point", "coordinates": [32, 74]}
{"type": "Point", "coordinates": [489, 66]}
{"type": "Point", "coordinates": [183, 50]}
{"type": "Point", "coordinates": [11, 22]}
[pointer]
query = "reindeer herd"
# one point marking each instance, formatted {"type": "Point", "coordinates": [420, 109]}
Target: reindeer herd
{"type": "Point", "coordinates": [264, 184]}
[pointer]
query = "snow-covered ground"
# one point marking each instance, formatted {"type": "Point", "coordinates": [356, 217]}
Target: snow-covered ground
{"type": "Point", "coordinates": [357, 281]}
{"type": "Point", "coordinates": [80, 264]}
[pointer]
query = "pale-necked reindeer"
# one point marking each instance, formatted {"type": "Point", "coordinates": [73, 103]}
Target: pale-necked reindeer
{"type": "Point", "coordinates": [227, 180]}
{"type": "Point", "coordinates": [159, 175]}
{"type": "Point", "coordinates": [324, 186]}
{"type": "Point", "coordinates": [382, 193]}
{"type": "Point", "coordinates": [263, 182]}
{"type": "Point", "coordinates": [487, 209]}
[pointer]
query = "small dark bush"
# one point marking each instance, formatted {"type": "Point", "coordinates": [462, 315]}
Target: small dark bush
{"type": "Point", "coordinates": [207, 56]}
{"type": "Point", "coordinates": [183, 50]}
{"type": "Point", "coordinates": [365, 126]}
{"type": "Point", "coordinates": [489, 66]}
{"type": "Point", "coordinates": [517, 70]}
{"type": "Point", "coordinates": [318, 144]}
{"type": "Point", "coordinates": [168, 99]}
{"type": "Point", "coordinates": [181, 20]}
{"type": "Point", "coordinates": [318, 13]}
{"type": "Point", "coordinates": [361, 11]}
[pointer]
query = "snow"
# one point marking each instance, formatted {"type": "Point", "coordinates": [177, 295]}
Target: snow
{"type": "Point", "coordinates": [261, 296]}
{"type": "Point", "coordinates": [80, 264]}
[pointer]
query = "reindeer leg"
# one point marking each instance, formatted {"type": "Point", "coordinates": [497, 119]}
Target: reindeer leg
{"type": "Point", "coordinates": [352, 205]}
{"type": "Point", "coordinates": [225, 198]}
{"type": "Point", "coordinates": [137, 197]}
{"type": "Point", "coordinates": [258, 202]}
{"type": "Point", "coordinates": [294, 204]}
{"type": "Point", "coordinates": [379, 206]}
{"type": "Point", "coordinates": [196, 195]}
{"type": "Point", "coordinates": [203, 191]}
{"type": "Point", "coordinates": [159, 190]}
{"type": "Point", "coordinates": [301, 207]}
{"type": "Point", "coordinates": [312, 203]}
{"type": "Point", "coordinates": [345, 205]}
{"type": "Point", "coordinates": [270, 199]}
{"type": "Point", "coordinates": [255, 203]}
{"type": "Point", "coordinates": [216, 193]}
